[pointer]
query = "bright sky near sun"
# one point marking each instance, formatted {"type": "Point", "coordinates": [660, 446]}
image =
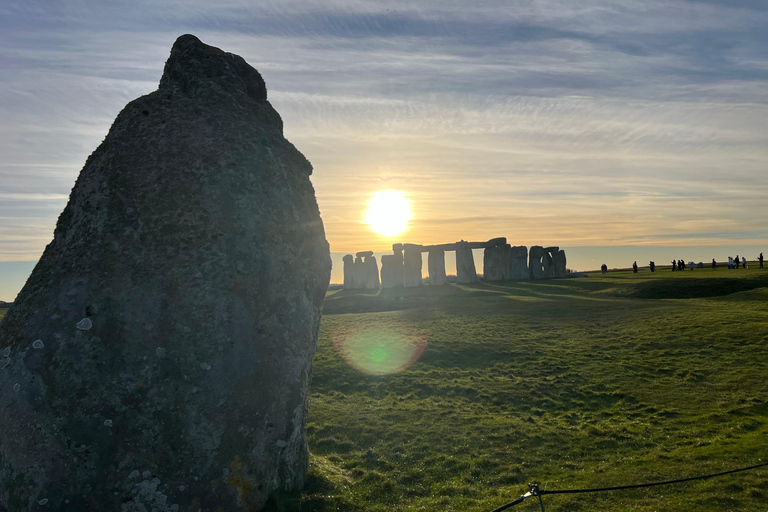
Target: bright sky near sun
{"type": "Point", "coordinates": [587, 124]}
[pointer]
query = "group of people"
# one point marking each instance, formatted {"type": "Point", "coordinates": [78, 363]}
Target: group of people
{"type": "Point", "coordinates": [679, 265]}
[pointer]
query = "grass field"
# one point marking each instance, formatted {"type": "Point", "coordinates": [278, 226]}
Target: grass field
{"type": "Point", "coordinates": [599, 381]}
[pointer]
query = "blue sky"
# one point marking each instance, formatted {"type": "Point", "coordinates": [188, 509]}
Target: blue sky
{"type": "Point", "coordinates": [579, 124]}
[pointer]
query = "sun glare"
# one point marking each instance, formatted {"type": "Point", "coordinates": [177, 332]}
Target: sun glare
{"type": "Point", "coordinates": [388, 212]}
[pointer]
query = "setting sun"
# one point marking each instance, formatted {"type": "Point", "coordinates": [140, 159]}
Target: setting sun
{"type": "Point", "coordinates": [388, 212]}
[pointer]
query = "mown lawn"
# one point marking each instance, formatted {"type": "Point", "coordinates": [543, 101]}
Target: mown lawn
{"type": "Point", "coordinates": [599, 381]}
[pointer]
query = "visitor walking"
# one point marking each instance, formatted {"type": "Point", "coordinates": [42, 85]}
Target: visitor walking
{"type": "Point", "coordinates": [744, 262]}
{"type": "Point", "coordinates": [652, 266]}
{"type": "Point", "coordinates": [680, 265]}
{"type": "Point", "coordinates": [714, 264]}
{"type": "Point", "coordinates": [760, 259]}
{"type": "Point", "coordinates": [691, 264]}
{"type": "Point", "coordinates": [604, 268]}
{"type": "Point", "coordinates": [634, 267]}
{"type": "Point", "coordinates": [730, 262]}
{"type": "Point", "coordinates": [674, 265]}
{"type": "Point", "coordinates": [736, 261]}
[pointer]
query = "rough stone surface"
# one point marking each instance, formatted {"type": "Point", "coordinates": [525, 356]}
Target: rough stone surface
{"type": "Point", "coordinates": [192, 228]}
{"type": "Point", "coordinates": [398, 265]}
{"type": "Point", "coordinates": [387, 271]}
{"type": "Point", "coordinates": [519, 257]}
{"type": "Point", "coordinates": [358, 273]}
{"type": "Point", "coordinates": [412, 265]}
{"type": "Point", "coordinates": [535, 266]}
{"type": "Point", "coordinates": [559, 262]}
{"type": "Point", "coordinates": [494, 259]}
{"type": "Point", "coordinates": [349, 271]}
{"type": "Point", "coordinates": [436, 268]}
{"type": "Point", "coordinates": [371, 269]}
{"type": "Point", "coordinates": [546, 264]}
{"type": "Point", "coordinates": [465, 264]}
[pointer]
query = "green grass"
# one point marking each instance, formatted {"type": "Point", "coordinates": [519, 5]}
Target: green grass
{"type": "Point", "coordinates": [2, 313]}
{"type": "Point", "coordinates": [600, 381]}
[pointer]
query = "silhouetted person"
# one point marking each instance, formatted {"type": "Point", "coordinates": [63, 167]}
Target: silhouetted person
{"type": "Point", "coordinates": [744, 262]}
{"type": "Point", "coordinates": [680, 265]}
{"type": "Point", "coordinates": [634, 267]}
{"type": "Point", "coordinates": [714, 264]}
{"type": "Point", "coordinates": [691, 264]}
{"type": "Point", "coordinates": [760, 259]}
{"type": "Point", "coordinates": [652, 266]}
{"type": "Point", "coordinates": [736, 261]}
{"type": "Point", "coordinates": [604, 268]}
{"type": "Point", "coordinates": [674, 265]}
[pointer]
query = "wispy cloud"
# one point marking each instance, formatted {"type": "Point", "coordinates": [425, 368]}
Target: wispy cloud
{"type": "Point", "coordinates": [581, 123]}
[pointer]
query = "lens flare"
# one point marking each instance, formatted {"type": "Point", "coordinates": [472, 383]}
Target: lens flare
{"type": "Point", "coordinates": [379, 351]}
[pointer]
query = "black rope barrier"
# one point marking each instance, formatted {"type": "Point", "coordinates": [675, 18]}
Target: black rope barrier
{"type": "Point", "coordinates": [533, 489]}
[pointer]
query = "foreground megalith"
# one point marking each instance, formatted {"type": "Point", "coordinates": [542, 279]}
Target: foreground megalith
{"type": "Point", "coordinates": [159, 356]}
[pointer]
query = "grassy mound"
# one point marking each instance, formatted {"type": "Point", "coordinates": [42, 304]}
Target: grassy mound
{"type": "Point", "coordinates": [455, 398]}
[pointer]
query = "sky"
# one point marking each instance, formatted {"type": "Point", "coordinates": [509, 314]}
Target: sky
{"type": "Point", "coordinates": [609, 128]}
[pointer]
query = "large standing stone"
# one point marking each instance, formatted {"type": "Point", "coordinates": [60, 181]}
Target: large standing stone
{"type": "Point", "coordinates": [560, 263]}
{"type": "Point", "coordinates": [371, 273]}
{"type": "Point", "coordinates": [534, 262]}
{"type": "Point", "coordinates": [387, 271]}
{"type": "Point", "coordinates": [436, 267]}
{"type": "Point", "coordinates": [465, 264]}
{"type": "Point", "coordinates": [493, 263]}
{"type": "Point", "coordinates": [397, 266]}
{"type": "Point", "coordinates": [412, 265]}
{"type": "Point", "coordinates": [358, 271]}
{"type": "Point", "coordinates": [519, 256]}
{"type": "Point", "coordinates": [349, 271]}
{"type": "Point", "coordinates": [160, 353]}
{"type": "Point", "coordinates": [506, 262]}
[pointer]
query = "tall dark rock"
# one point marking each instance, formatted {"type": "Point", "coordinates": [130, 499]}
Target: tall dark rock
{"type": "Point", "coordinates": [159, 356]}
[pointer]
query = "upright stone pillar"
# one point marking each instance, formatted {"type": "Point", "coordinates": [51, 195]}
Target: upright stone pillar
{"type": "Point", "coordinates": [371, 272]}
{"type": "Point", "coordinates": [465, 264]}
{"type": "Point", "coordinates": [534, 262]}
{"type": "Point", "coordinates": [412, 265]}
{"type": "Point", "coordinates": [506, 262]}
{"type": "Point", "coordinates": [560, 263]}
{"type": "Point", "coordinates": [493, 263]}
{"type": "Point", "coordinates": [397, 267]}
{"type": "Point", "coordinates": [358, 270]}
{"type": "Point", "coordinates": [519, 258]}
{"type": "Point", "coordinates": [436, 267]}
{"type": "Point", "coordinates": [387, 271]}
{"type": "Point", "coordinates": [349, 272]}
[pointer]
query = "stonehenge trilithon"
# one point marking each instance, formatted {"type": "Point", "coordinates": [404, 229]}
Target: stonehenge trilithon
{"type": "Point", "coordinates": [501, 262]}
{"type": "Point", "coordinates": [436, 267]}
{"type": "Point", "coordinates": [178, 307]}
{"type": "Point", "coordinates": [412, 264]}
